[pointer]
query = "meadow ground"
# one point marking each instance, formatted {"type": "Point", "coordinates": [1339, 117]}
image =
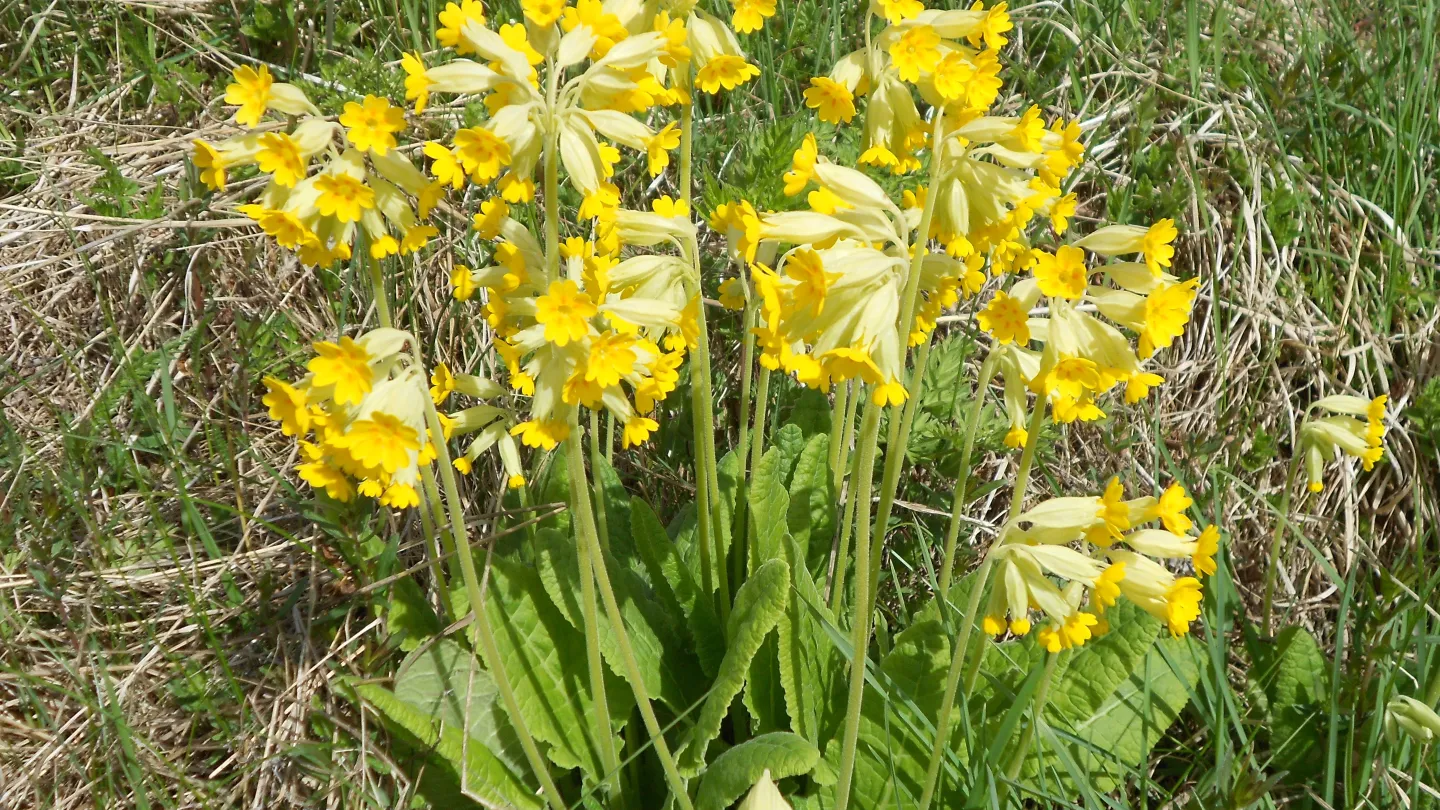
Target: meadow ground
{"type": "Point", "coordinates": [174, 613]}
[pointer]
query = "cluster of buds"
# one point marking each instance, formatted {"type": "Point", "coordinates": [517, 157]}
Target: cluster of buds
{"type": "Point", "coordinates": [1324, 438]}
{"type": "Point", "coordinates": [1119, 552]}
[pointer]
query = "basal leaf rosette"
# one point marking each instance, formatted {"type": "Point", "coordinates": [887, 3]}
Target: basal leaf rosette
{"type": "Point", "coordinates": [1071, 558]}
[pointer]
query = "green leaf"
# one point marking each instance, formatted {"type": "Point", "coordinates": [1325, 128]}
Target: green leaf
{"type": "Point", "coordinates": [409, 616]}
{"type": "Point", "coordinates": [727, 470]}
{"type": "Point", "coordinates": [669, 670]}
{"type": "Point", "coordinates": [790, 441]}
{"type": "Point", "coordinates": [769, 507]}
{"type": "Point", "coordinates": [758, 606]}
{"type": "Point", "coordinates": [469, 769]}
{"type": "Point", "coordinates": [1298, 688]}
{"type": "Point", "coordinates": [675, 583]}
{"type": "Point", "coordinates": [1093, 672]}
{"type": "Point", "coordinates": [732, 773]}
{"type": "Point", "coordinates": [811, 516]}
{"type": "Point", "coordinates": [617, 512]}
{"type": "Point", "coordinates": [545, 660]}
{"type": "Point", "coordinates": [445, 680]}
{"type": "Point", "coordinates": [812, 672]}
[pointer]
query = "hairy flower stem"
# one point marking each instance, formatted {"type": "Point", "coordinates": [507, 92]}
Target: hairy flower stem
{"type": "Point", "coordinates": [837, 423]}
{"type": "Point", "coordinates": [590, 610]}
{"type": "Point", "coordinates": [860, 625]}
{"type": "Point", "coordinates": [600, 517]}
{"type": "Point", "coordinates": [842, 548]}
{"type": "Point", "coordinates": [477, 603]}
{"type": "Point", "coordinates": [962, 482]}
{"type": "Point", "coordinates": [1277, 542]}
{"type": "Point", "coordinates": [551, 159]}
{"type": "Point", "coordinates": [747, 374]}
{"type": "Point", "coordinates": [586, 533]}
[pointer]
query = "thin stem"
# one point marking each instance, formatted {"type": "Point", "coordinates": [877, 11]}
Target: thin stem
{"type": "Point", "coordinates": [837, 422]}
{"type": "Point", "coordinates": [962, 483]}
{"type": "Point", "coordinates": [477, 604]}
{"type": "Point", "coordinates": [1037, 712]}
{"type": "Point", "coordinates": [600, 518]}
{"type": "Point", "coordinates": [847, 433]}
{"type": "Point", "coordinates": [757, 450]}
{"type": "Point", "coordinates": [377, 288]}
{"type": "Point", "coordinates": [860, 627]}
{"type": "Point", "coordinates": [842, 548]}
{"type": "Point", "coordinates": [747, 373]}
{"type": "Point", "coordinates": [432, 520]}
{"type": "Point", "coordinates": [1276, 542]}
{"type": "Point", "coordinates": [702, 400]}
{"type": "Point", "coordinates": [587, 536]}
{"type": "Point", "coordinates": [551, 159]}
{"type": "Point", "coordinates": [592, 628]}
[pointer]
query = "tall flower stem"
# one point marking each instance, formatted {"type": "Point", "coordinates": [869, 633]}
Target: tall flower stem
{"type": "Point", "coordinates": [551, 159]}
{"type": "Point", "coordinates": [757, 449]}
{"type": "Point", "coordinates": [589, 610]}
{"type": "Point", "coordinates": [847, 524]}
{"type": "Point", "coordinates": [600, 517]}
{"type": "Point", "coordinates": [962, 481]}
{"type": "Point", "coordinates": [586, 533]}
{"type": "Point", "coordinates": [477, 603]}
{"type": "Point", "coordinates": [1277, 542]}
{"type": "Point", "coordinates": [837, 423]}
{"type": "Point", "coordinates": [977, 588]}
{"type": "Point", "coordinates": [747, 374]}
{"type": "Point", "coordinates": [860, 625]}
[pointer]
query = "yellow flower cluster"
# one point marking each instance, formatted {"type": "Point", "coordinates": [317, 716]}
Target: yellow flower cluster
{"type": "Point", "coordinates": [1324, 438]}
{"type": "Point", "coordinates": [1118, 557]}
{"type": "Point", "coordinates": [363, 182]}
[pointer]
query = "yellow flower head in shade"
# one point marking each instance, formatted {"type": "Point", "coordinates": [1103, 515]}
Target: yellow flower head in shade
{"type": "Point", "coordinates": [1167, 311]}
{"type": "Point", "coordinates": [1138, 386]}
{"type": "Point", "coordinates": [725, 71]}
{"type": "Point", "coordinates": [916, 51]}
{"type": "Point", "coordinates": [750, 15]}
{"type": "Point", "coordinates": [543, 13]}
{"type": "Point", "coordinates": [732, 294]}
{"type": "Point", "coordinates": [612, 356]}
{"type": "Point", "coordinates": [1061, 212]}
{"type": "Point", "coordinates": [452, 22]}
{"type": "Point", "coordinates": [344, 365]}
{"type": "Point", "coordinates": [657, 148]}
{"type": "Point", "coordinates": [287, 406]}
{"type": "Point", "coordinates": [832, 101]}
{"type": "Point", "coordinates": [284, 227]}
{"type": "Point", "coordinates": [898, 11]}
{"type": "Point", "coordinates": [811, 280]}
{"type": "Point", "coordinates": [1062, 274]}
{"type": "Point", "coordinates": [1157, 245]}
{"type": "Point", "coordinates": [417, 81]}
{"type": "Point", "coordinates": [382, 441]}
{"type": "Point", "coordinates": [802, 166]}
{"type": "Point", "coordinates": [1006, 319]}
{"type": "Point", "coordinates": [1029, 131]}
{"type": "Point", "coordinates": [445, 165]}
{"type": "Point", "coordinates": [638, 429]}
{"type": "Point", "coordinates": [1207, 545]}
{"type": "Point", "coordinates": [320, 474]}
{"type": "Point", "coordinates": [545, 434]}
{"type": "Point", "coordinates": [565, 312]}
{"type": "Point", "coordinates": [250, 90]}
{"type": "Point", "coordinates": [1171, 507]}
{"type": "Point", "coordinates": [1182, 605]}
{"type": "Point", "coordinates": [992, 30]}
{"type": "Point", "coordinates": [493, 213]}
{"type": "Point", "coordinates": [481, 152]}
{"type": "Point", "coordinates": [442, 384]}
{"type": "Point", "coordinates": [462, 284]}
{"type": "Point", "coordinates": [666, 206]}
{"type": "Point", "coordinates": [211, 165]}
{"type": "Point", "coordinates": [343, 197]}
{"type": "Point", "coordinates": [1106, 590]}
{"type": "Point", "coordinates": [1074, 632]}
{"type": "Point", "coordinates": [279, 156]}
{"type": "Point", "coordinates": [371, 125]}
{"type": "Point", "coordinates": [1071, 377]}
{"type": "Point", "coordinates": [889, 394]}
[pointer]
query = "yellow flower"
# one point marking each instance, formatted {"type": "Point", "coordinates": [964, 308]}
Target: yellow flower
{"type": "Point", "coordinates": [286, 229]}
{"type": "Point", "coordinates": [1114, 514]}
{"type": "Point", "coordinates": [1061, 211]}
{"type": "Point", "coordinates": [638, 429]}
{"type": "Point", "coordinates": [727, 71]}
{"type": "Point", "coordinates": [897, 11]}
{"type": "Point", "coordinates": [545, 434]}
{"type": "Point", "coordinates": [319, 474]}
{"type": "Point", "coordinates": [452, 22]}
{"type": "Point", "coordinates": [992, 30]}
{"type": "Point", "coordinates": [417, 82]}
{"type": "Point", "coordinates": [442, 384]}
{"type": "Point", "coordinates": [516, 189]}
{"type": "Point", "coordinates": [603, 199]}
{"type": "Point", "coordinates": [1071, 377]}
{"type": "Point", "coordinates": [287, 406]}
{"type": "Point", "coordinates": [916, 51]}
{"type": "Point", "coordinates": [211, 165]}
{"type": "Point", "coordinates": [1171, 509]}
{"type": "Point", "coordinates": [657, 148]}
{"type": "Point", "coordinates": [952, 76]}
{"type": "Point", "coordinates": [250, 90]}
{"type": "Point", "coordinates": [676, 38]}
{"type": "Point", "coordinates": [382, 441]}
{"type": "Point", "coordinates": [1106, 590]}
{"type": "Point", "coordinates": [445, 165]}
{"type": "Point", "coordinates": [344, 365]}
{"type": "Point", "coordinates": [383, 247]}
{"type": "Point", "coordinates": [1138, 386]}
{"type": "Point", "coordinates": [607, 27]}
{"type": "Point", "coordinates": [1182, 605]}
{"type": "Point", "coordinates": [750, 15]}
{"type": "Point", "coordinates": [732, 294]}
{"type": "Point", "coordinates": [565, 312]}
{"type": "Point", "coordinates": [802, 166]}
{"type": "Point", "coordinates": [1207, 545]}
{"type": "Point", "coordinates": [889, 394]}
{"type": "Point", "coordinates": [543, 13]}
{"type": "Point", "coordinates": [812, 282]}
{"type": "Point", "coordinates": [515, 35]}
{"type": "Point", "coordinates": [400, 496]}
{"type": "Point", "coordinates": [832, 101]}
{"type": "Point", "coordinates": [343, 197]}
{"type": "Point", "coordinates": [1074, 632]}
{"type": "Point", "coordinates": [1006, 319]}
{"type": "Point", "coordinates": [481, 152]}
{"type": "Point", "coordinates": [279, 156]}
{"type": "Point", "coordinates": [1062, 274]}
{"type": "Point", "coordinates": [1157, 248]}
{"type": "Point", "coordinates": [612, 356]}
{"type": "Point", "coordinates": [462, 284]}
{"type": "Point", "coordinates": [515, 481]}
{"type": "Point", "coordinates": [373, 124]}
{"type": "Point", "coordinates": [1375, 420]}
{"type": "Point", "coordinates": [1029, 131]}
{"type": "Point", "coordinates": [1167, 311]}
{"type": "Point", "coordinates": [493, 213]}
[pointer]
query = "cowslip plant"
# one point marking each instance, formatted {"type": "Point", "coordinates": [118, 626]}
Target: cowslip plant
{"type": "Point", "coordinates": [595, 309]}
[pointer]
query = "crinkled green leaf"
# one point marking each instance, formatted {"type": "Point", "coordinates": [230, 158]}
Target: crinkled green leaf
{"type": "Point", "coordinates": [477, 772]}
{"type": "Point", "coordinates": [1297, 675]}
{"type": "Point", "coordinates": [617, 512]}
{"type": "Point", "coordinates": [409, 616]}
{"type": "Point", "coordinates": [758, 606]}
{"type": "Point", "coordinates": [812, 672]}
{"type": "Point", "coordinates": [669, 669]}
{"type": "Point", "coordinates": [769, 506]}
{"type": "Point", "coordinates": [790, 441]}
{"type": "Point", "coordinates": [445, 680]}
{"type": "Point", "coordinates": [811, 515]}
{"type": "Point", "coordinates": [738, 769]}
{"type": "Point", "coordinates": [675, 583]}
{"type": "Point", "coordinates": [545, 660]}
